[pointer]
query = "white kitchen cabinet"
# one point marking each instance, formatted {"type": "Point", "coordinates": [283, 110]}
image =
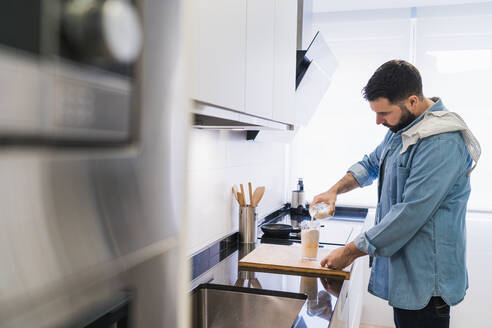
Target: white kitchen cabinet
{"type": "Point", "coordinates": [356, 290]}
{"type": "Point", "coordinates": [218, 52]}
{"type": "Point", "coordinates": [260, 42]}
{"type": "Point", "coordinates": [349, 305]}
{"type": "Point", "coordinates": [271, 37]}
{"type": "Point", "coordinates": [243, 56]}
{"type": "Point", "coordinates": [285, 61]}
{"type": "Point", "coordinates": [350, 300]}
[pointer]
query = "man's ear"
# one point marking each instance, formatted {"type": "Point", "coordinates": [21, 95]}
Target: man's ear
{"type": "Point", "coordinates": [412, 101]}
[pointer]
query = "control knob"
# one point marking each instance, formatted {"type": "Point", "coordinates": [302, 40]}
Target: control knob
{"type": "Point", "coordinates": [97, 29]}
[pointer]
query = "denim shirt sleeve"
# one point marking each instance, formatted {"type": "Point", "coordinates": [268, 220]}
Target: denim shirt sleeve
{"type": "Point", "coordinates": [362, 243]}
{"type": "Point", "coordinates": [367, 170]}
{"type": "Point", "coordinates": [437, 164]}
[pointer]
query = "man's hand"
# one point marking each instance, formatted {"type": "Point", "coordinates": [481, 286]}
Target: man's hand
{"type": "Point", "coordinates": [329, 197]}
{"type": "Point", "coordinates": [347, 183]}
{"type": "Point", "coordinates": [342, 257]}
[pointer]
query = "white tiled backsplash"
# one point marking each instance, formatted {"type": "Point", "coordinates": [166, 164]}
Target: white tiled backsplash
{"type": "Point", "coordinates": [217, 160]}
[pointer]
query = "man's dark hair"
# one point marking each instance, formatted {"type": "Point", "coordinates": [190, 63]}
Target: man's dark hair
{"type": "Point", "coordinates": [395, 80]}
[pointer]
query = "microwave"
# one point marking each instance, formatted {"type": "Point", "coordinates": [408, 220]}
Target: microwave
{"type": "Point", "coordinates": [67, 71]}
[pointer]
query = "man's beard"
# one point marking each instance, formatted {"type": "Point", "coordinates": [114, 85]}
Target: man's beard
{"type": "Point", "coordinates": [406, 118]}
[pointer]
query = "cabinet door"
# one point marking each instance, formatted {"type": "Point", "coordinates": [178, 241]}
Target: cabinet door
{"type": "Point", "coordinates": [260, 57]}
{"type": "Point", "coordinates": [218, 52]}
{"type": "Point", "coordinates": [285, 61]}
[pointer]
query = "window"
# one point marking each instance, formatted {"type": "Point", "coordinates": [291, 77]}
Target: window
{"type": "Point", "coordinates": [452, 48]}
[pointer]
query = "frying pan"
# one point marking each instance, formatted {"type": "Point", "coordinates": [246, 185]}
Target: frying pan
{"type": "Point", "coordinates": [278, 230]}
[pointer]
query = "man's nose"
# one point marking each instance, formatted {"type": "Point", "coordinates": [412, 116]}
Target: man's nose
{"type": "Point", "coordinates": [379, 120]}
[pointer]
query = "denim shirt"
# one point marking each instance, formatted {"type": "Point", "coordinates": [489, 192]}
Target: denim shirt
{"type": "Point", "coordinates": [418, 242]}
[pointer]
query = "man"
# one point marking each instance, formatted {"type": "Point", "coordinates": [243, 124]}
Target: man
{"type": "Point", "coordinates": [418, 241]}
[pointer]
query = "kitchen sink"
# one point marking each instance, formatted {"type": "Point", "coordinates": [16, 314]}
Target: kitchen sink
{"type": "Point", "coordinates": [228, 306]}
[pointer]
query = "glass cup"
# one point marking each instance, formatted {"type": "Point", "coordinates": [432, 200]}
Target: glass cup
{"type": "Point", "coordinates": [309, 240]}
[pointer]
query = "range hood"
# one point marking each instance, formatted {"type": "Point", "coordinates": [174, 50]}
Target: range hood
{"type": "Point", "coordinates": [314, 69]}
{"type": "Point", "coordinates": [207, 116]}
{"type": "Point", "coordinates": [318, 52]}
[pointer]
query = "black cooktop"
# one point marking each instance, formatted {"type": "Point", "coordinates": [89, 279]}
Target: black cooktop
{"type": "Point", "coordinates": [294, 217]}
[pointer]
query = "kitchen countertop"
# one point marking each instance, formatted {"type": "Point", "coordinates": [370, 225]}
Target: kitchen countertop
{"type": "Point", "coordinates": [323, 294]}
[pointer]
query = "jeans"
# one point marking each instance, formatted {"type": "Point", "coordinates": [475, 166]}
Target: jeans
{"type": "Point", "coordinates": [434, 315]}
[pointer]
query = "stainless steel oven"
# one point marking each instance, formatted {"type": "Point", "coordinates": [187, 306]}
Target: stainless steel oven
{"type": "Point", "coordinates": [67, 71]}
{"type": "Point", "coordinates": [93, 145]}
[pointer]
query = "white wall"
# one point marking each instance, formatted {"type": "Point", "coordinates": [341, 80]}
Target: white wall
{"type": "Point", "coordinates": [217, 160]}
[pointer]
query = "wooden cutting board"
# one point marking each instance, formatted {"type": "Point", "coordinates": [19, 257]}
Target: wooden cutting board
{"type": "Point", "coordinates": [287, 259]}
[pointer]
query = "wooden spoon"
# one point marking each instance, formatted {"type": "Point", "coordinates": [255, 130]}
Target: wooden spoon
{"type": "Point", "coordinates": [243, 199]}
{"type": "Point", "coordinates": [257, 195]}
{"type": "Point", "coordinates": [250, 194]}
{"type": "Point", "coordinates": [234, 191]}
